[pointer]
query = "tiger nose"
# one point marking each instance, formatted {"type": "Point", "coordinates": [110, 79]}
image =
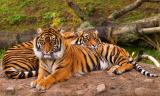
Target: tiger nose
{"type": "Point", "coordinates": [94, 46]}
{"type": "Point", "coordinates": [46, 53]}
{"type": "Point", "coordinates": [94, 43]}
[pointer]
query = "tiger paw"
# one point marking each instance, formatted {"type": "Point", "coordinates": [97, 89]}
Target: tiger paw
{"type": "Point", "coordinates": [118, 72]}
{"type": "Point", "coordinates": [43, 85]}
{"type": "Point", "coordinates": [35, 82]}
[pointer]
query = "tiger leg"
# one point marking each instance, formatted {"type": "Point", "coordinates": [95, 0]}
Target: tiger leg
{"type": "Point", "coordinates": [112, 69]}
{"type": "Point", "coordinates": [123, 68]}
{"type": "Point", "coordinates": [41, 75]}
{"type": "Point", "coordinates": [61, 75]}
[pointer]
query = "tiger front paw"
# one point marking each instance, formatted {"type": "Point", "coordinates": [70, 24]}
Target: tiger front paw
{"type": "Point", "coordinates": [43, 85]}
{"type": "Point", "coordinates": [35, 82]}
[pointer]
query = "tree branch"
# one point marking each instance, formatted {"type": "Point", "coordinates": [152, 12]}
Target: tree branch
{"type": "Point", "coordinates": [136, 26]}
{"type": "Point", "coordinates": [121, 12]}
{"type": "Point", "coordinates": [118, 13]}
{"type": "Point", "coordinates": [77, 10]}
{"type": "Point", "coordinates": [130, 32]}
{"type": "Point", "coordinates": [152, 59]}
{"type": "Point", "coordinates": [150, 30]}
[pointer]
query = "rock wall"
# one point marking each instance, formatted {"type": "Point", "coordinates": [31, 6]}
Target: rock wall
{"type": "Point", "coordinates": [8, 39]}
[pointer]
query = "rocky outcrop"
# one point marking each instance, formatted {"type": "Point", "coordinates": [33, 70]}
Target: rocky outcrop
{"type": "Point", "coordinates": [98, 83]}
{"type": "Point", "coordinates": [8, 39]}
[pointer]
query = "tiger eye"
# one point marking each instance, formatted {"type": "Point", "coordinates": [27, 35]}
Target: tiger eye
{"type": "Point", "coordinates": [41, 41]}
{"type": "Point", "coordinates": [86, 36]}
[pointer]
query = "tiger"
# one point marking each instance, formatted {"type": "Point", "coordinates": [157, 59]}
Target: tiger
{"type": "Point", "coordinates": [58, 60]}
{"type": "Point", "coordinates": [116, 56]}
{"type": "Point", "coordinates": [20, 62]}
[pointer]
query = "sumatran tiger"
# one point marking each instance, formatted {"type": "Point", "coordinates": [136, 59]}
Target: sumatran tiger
{"type": "Point", "coordinates": [60, 60]}
{"type": "Point", "coordinates": [20, 62]}
{"type": "Point", "coordinates": [113, 54]}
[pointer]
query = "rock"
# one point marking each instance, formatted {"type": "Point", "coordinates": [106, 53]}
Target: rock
{"type": "Point", "coordinates": [80, 92]}
{"type": "Point", "coordinates": [113, 87]}
{"type": "Point", "coordinates": [10, 90]}
{"type": "Point", "coordinates": [113, 78]}
{"type": "Point", "coordinates": [34, 93]}
{"type": "Point", "coordinates": [144, 91]}
{"type": "Point", "coordinates": [153, 67]}
{"type": "Point", "coordinates": [148, 80]}
{"type": "Point", "coordinates": [19, 87]}
{"type": "Point", "coordinates": [101, 88]}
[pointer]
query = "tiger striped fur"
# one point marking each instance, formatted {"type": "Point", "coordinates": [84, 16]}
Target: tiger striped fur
{"type": "Point", "coordinates": [20, 62]}
{"type": "Point", "coordinates": [113, 54]}
{"type": "Point", "coordinates": [60, 60]}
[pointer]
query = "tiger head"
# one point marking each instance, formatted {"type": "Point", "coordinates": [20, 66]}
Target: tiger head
{"type": "Point", "coordinates": [69, 36]}
{"type": "Point", "coordinates": [48, 44]}
{"type": "Point", "coordinates": [87, 38]}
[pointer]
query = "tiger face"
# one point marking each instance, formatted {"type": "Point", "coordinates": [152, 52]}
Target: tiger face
{"type": "Point", "coordinates": [48, 44]}
{"type": "Point", "coordinates": [88, 38]}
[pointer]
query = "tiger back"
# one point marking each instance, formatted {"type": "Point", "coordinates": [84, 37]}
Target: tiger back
{"type": "Point", "coordinates": [20, 61]}
{"type": "Point", "coordinates": [113, 54]}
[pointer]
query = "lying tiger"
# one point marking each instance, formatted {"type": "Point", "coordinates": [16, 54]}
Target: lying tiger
{"type": "Point", "coordinates": [20, 62]}
{"type": "Point", "coordinates": [59, 60]}
{"type": "Point", "coordinates": [113, 54]}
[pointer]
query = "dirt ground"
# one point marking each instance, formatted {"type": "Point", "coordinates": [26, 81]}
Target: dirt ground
{"type": "Point", "coordinates": [97, 83]}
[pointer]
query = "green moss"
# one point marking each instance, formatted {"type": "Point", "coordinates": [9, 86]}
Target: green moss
{"type": "Point", "coordinates": [115, 4]}
{"type": "Point", "coordinates": [2, 51]}
{"type": "Point", "coordinates": [154, 53]}
{"type": "Point", "coordinates": [15, 13]}
{"type": "Point", "coordinates": [16, 19]}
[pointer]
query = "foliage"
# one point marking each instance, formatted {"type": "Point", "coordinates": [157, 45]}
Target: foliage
{"type": "Point", "coordinates": [49, 15]}
{"type": "Point", "coordinates": [57, 20]}
{"type": "Point", "coordinates": [13, 12]}
{"type": "Point", "coordinates": [2, 53]}
{"type": "Point", "coordinates": [15, 19]}
{"type": "Point", "coordinates": [152, 52]}
{"type": "Point", "coordinates": [90, 9]}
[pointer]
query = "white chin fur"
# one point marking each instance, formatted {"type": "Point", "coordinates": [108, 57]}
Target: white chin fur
{"type": "Point", "coordinates": [40, 55]}
{"type": "Point", "coordinates": [37, 53]}
{"type": "Point", "coordinates": [47, 56]}
{"type": "Point", "coordinates": [55, 55]}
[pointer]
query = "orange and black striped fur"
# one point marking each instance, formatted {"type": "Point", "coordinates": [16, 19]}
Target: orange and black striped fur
{"type": "Point", "coordinates": [60, 60]}
{"type": "Point", "coordinates": [113, 54]}
{"type": "Point", "coordinates": [20, 62]}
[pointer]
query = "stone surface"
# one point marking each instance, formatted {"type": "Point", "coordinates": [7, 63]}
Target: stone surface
{"type": "Point", "coordinates": [101, 88]}
{"type": "Point", "coordinates": [10, 90]}
{"type": "Point", "coordinates": [145, 92]}
{"type": "Point", "coordinates": [97, 83]}
{"type": "Point", "coordinates": [148, 80]}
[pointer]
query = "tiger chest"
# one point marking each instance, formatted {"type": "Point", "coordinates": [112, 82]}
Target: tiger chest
{"type": "Point", "coordinates": [49, 66]}
{"type": "Point", "coordinates": [104, 64]}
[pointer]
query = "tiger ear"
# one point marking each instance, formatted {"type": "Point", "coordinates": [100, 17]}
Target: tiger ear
{"type": "Point", "coordinates": [39, 30]}
{"type": "Point", "coordinates": [61, 32]}
{"type": "Point", "coordinates": [96, 31]}
{"type": "Point", "coordinates": [80, 33]}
